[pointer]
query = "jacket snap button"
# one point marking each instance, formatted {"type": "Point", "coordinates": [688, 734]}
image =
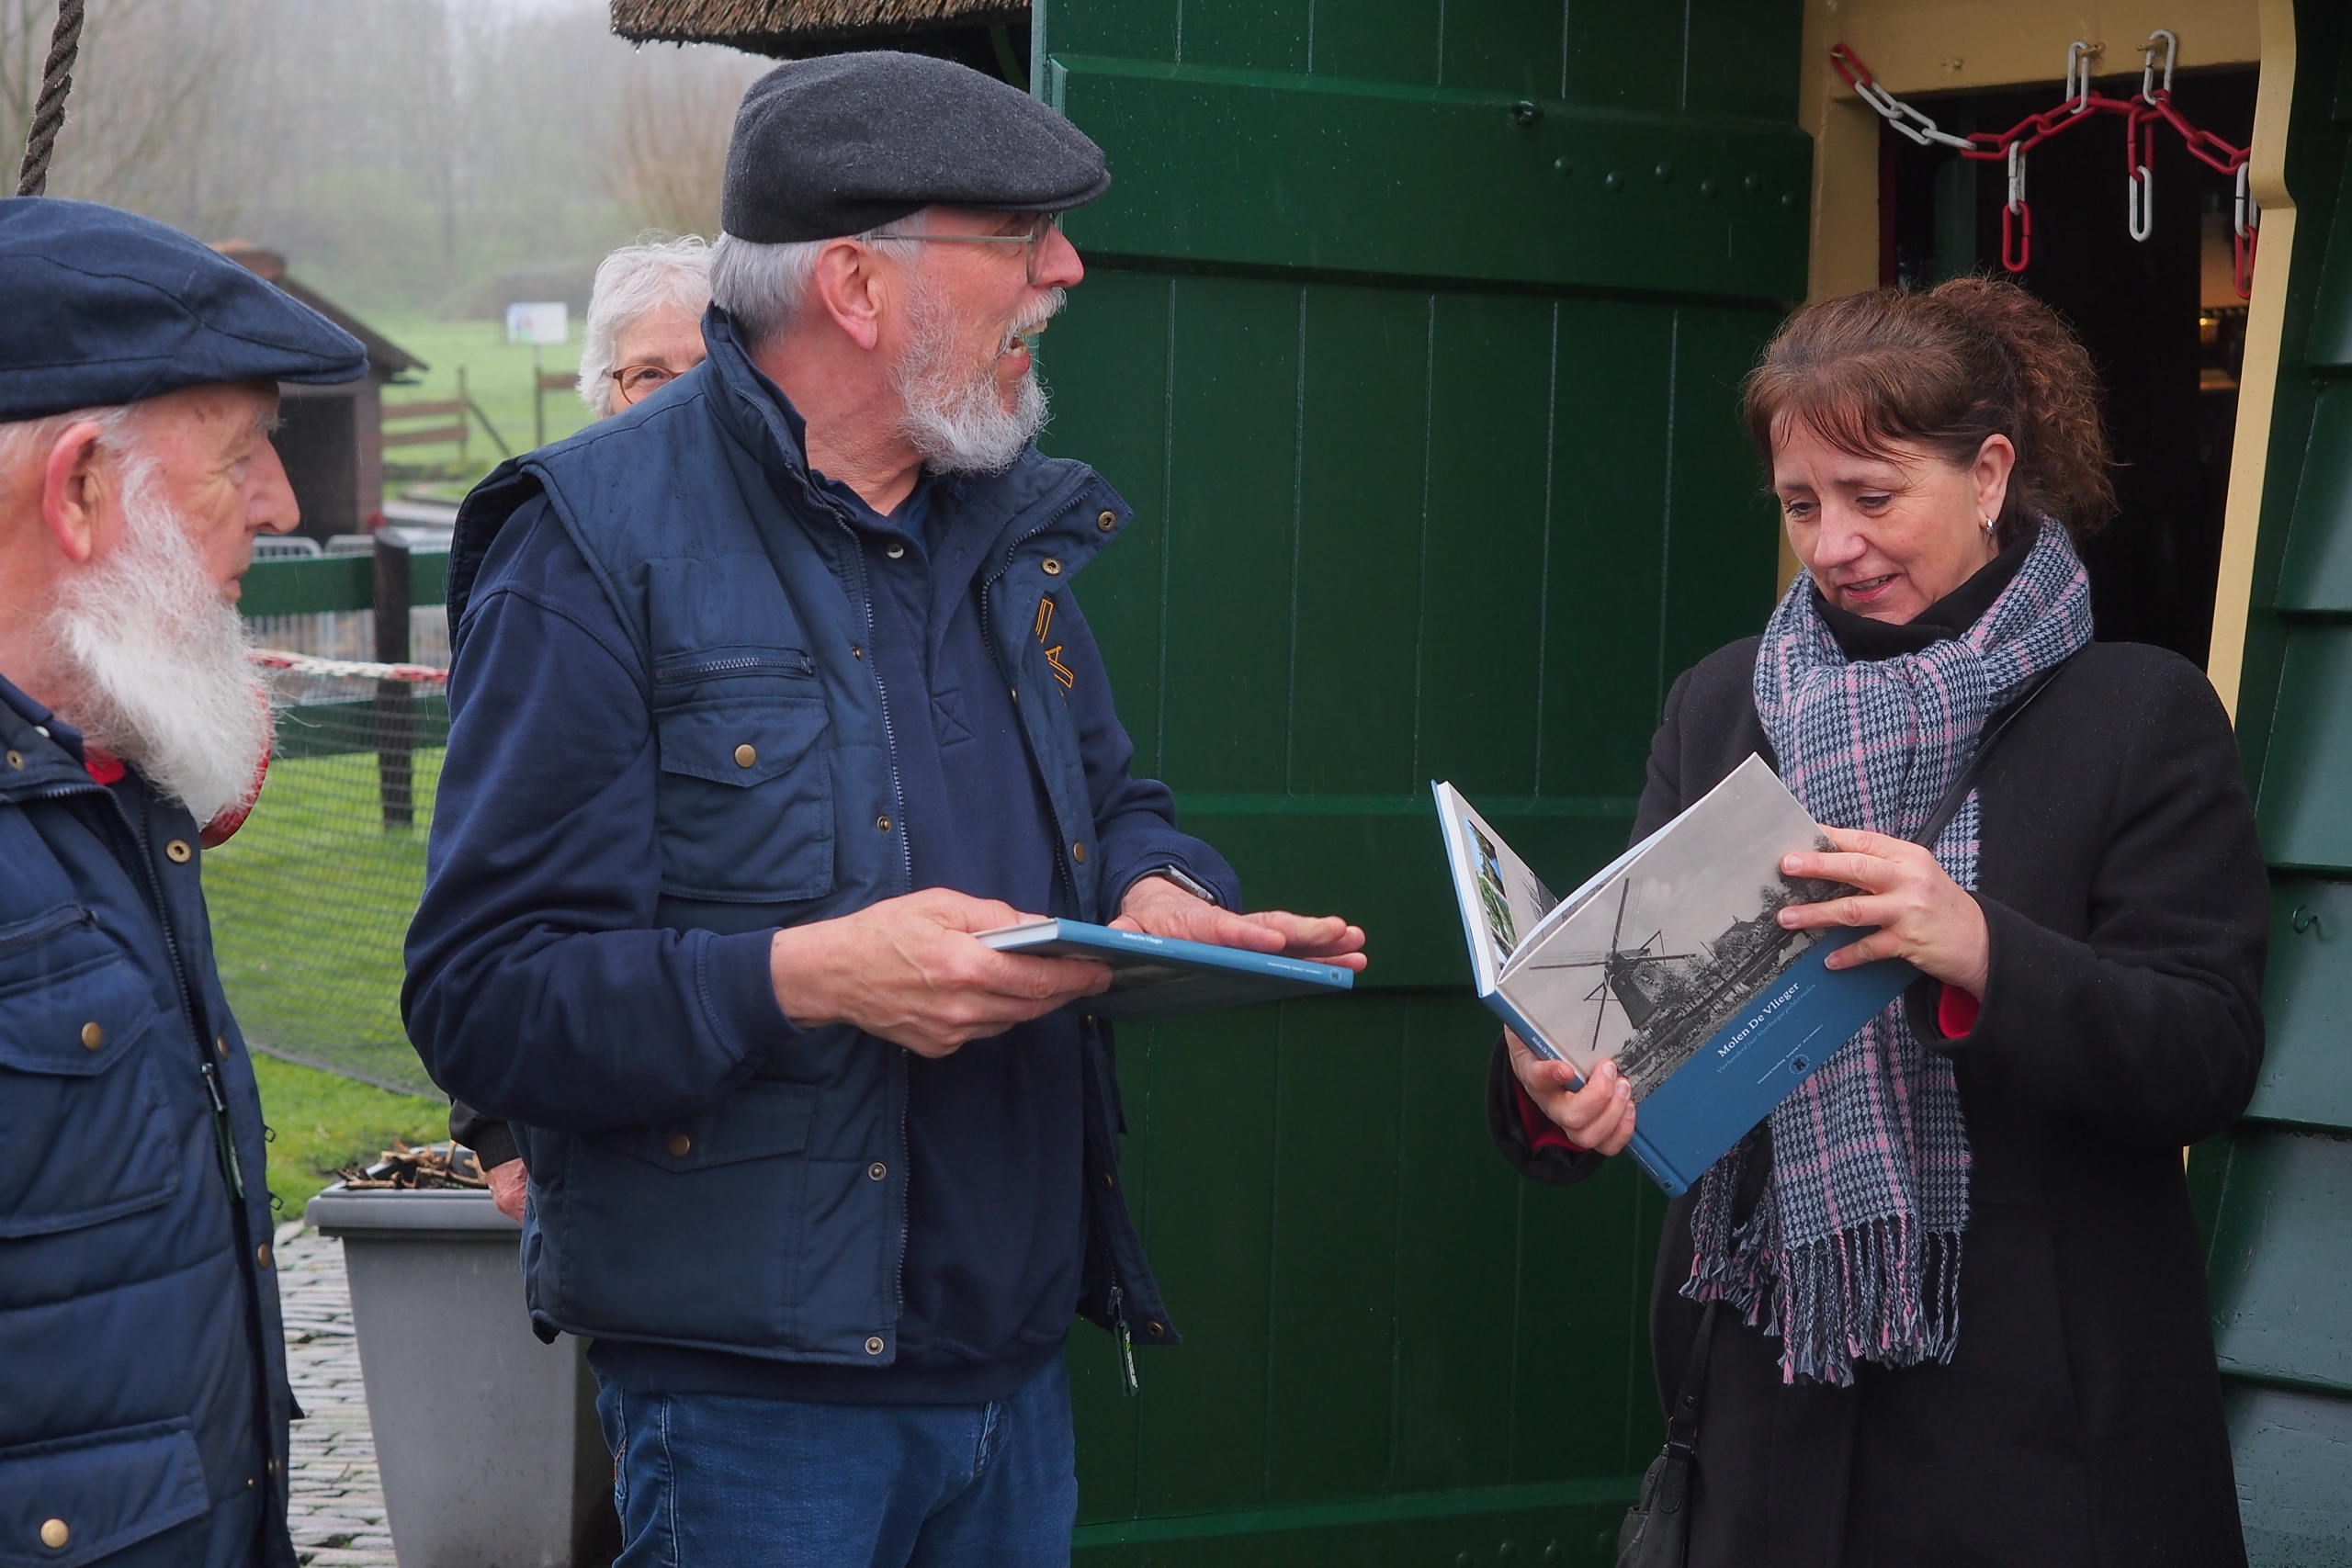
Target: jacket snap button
{"type": "Point", "coordinates": [1109, 1179]}
{"type": "Point", "coordinates": [855, 651]}
{"type": "Point", "coordinates": [876, 1171]}
{"type": "Point", "coordinates": [883, 823]}
{"type": "Point", "coordinates": [178, 852]}
{"type": "Point", "coordinates": [895, 552]}
{"type": "Point", "coordinates": [220, 1045]}
{"type": "Point", "coordinates": [1078, 854]}
{"type": "Point", "coordinates": [261, 1255]}
{"type": "Point", "coordinates": [680, 1144]}
{"type": "Point", "coordinates": [746, 754]}
{"type": "Point", "coordinates": [1052, 566]}
{"type": "Point", "coordinates": [53, 1533]}
{"type": "Point", "coordinates": [92, 1035]}
{"type": "Point", "coordinates": [1154, 1329]}
{"type": "Point", "coordinates": [873, 1343]}
{"type": "Point", "coordinates": [16, 759]}
{"type": "Point", "coordinates": [1107, 521]}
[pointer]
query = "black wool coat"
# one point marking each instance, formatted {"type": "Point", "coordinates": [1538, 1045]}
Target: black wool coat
{"type": "Point", "coordinates": [2080, 1420]}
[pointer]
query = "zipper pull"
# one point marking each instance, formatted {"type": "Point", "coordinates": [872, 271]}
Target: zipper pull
{"type": "Point", "coordinates": [1127, 1340]}
{"type": "Point", "coordinates": [224, 1141]}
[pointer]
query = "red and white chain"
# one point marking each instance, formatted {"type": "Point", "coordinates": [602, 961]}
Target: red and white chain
{"type": "Point", "coordinates": [2142, 111]}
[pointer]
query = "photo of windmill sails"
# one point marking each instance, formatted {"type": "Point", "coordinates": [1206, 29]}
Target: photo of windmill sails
{"type": "Point", "coordinates": [1659, 951]}
{"type": "Point", "coordinates": [1651, 1007]}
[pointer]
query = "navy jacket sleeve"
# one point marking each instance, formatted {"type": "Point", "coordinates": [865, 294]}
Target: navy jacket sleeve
{"type": "Point", "coordinates": [539, 989]}
{"type": "Point", "coordinates": [1135, 819]}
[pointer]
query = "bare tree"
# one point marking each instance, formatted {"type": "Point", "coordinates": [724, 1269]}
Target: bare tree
{"type": "Point", "coordinates": [670, 135]}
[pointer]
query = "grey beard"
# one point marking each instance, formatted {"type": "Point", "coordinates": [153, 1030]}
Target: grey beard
{"type": "Point", "coordinates": [152, 662]}
{"type": "Point", "coordinates": [954, 415]}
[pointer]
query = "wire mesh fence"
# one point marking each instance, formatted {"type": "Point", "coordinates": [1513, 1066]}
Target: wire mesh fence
{"type": "Point", "coordinates": [311, 899]}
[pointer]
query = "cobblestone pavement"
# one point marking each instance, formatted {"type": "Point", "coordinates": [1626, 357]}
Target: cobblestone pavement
{"type": "Point", "coordinates": [337, 1507]}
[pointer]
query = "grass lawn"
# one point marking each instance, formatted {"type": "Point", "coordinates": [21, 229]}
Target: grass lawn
{"type": "Point", "coordinates": [311, 902]}
{"type": "Point", "coordinates": [324, 1121]}
{"type": "Point", "coordinates": [498, 376]}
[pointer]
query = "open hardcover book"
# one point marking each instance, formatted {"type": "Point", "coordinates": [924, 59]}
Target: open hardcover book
{"type": "Point", "coordinates": [1672, 961]}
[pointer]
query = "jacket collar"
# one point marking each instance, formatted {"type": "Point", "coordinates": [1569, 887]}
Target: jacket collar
{"type": "Point", "coordinates": [755, 413]}
{"type": "Point", "coordinates": [43, 753]}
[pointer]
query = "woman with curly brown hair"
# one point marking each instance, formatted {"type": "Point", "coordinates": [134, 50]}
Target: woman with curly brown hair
{"type": "Point", "coordinates": [1962, 1311]}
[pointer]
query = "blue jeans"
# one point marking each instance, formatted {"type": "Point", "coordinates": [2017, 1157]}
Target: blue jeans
{"type": "Point", "coordinates": [713, 1480]}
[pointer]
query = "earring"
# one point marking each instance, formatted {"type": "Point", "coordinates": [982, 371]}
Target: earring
{"type": "Point", "coordinates": [1988, 527]}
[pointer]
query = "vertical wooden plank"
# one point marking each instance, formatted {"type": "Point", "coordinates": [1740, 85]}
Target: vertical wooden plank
{"type": "Point", "coordinates": [1134, 30]}
{"type": "Point", "coordinates": [1722, 544]}
{"type": "Point", "coordinates": [1360, 523]}
{"type": "Point", "coordinates": [1107, 1417]}
{"type": "Point", "coordinates": [1333, 1319]}
{"type": "Point", "coordinates": [1230, 532]}
{"type": "Point", "coordinates": [1211, 1233]}
{"type": "Point", "coordinates": [1455, 1259]}
{"type": "Point", "coordinates": [1257, 35]}
{"type": "Point", "coordinates": [1745, 57]}
{"type": "Point", "coordinates": [1505, 46]}
{"type": "Point", "coordinates": [1623, 57]}
{"type": "Point", "coordinates": [1378, 40]}
{"type": "Point", "coordinates": [1481, 624]}
{"type": "Point", "coordinates": [1609, 490]}
{"type": "Point", "coordinates": [1580, 1354]}
{"type": "Point", "coordinates": [1106, 363]}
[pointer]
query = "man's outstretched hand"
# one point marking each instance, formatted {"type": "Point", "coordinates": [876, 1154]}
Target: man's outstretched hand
{"type": "Point", "coordinates": [909, 969]}
{"type": "Point", "coordinates": [1159, 908]}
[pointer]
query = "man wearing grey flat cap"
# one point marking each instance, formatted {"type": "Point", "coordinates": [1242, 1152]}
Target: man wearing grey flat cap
{"type": "Point", "coordinates": [766, 695]}
{"type": "Point", "coordinates": [143, 1400]}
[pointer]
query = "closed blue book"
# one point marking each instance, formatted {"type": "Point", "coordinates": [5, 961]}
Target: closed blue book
{"type": "Point", "coordinates": [1672, 963]}
{"type": "Point", "coordinates": [1160, 976]}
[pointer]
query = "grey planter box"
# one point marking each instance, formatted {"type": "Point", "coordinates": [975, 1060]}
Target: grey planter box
{"type": "Point", "coordinates": [487, 1439]}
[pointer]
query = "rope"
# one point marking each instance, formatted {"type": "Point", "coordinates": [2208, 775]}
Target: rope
{"type": "Point", "coordinates": [48, 109]}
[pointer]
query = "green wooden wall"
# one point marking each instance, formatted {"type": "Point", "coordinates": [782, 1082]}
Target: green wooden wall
{"type": "Point", "coordinates": [2280, 1187]}
{"type": "Point", "coordinates": [1412, 330]}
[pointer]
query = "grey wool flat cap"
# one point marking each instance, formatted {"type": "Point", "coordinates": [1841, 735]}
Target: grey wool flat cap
{"type": "Point", "coordinates": [848, 142]}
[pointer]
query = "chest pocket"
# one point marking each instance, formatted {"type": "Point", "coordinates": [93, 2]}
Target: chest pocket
{"type": "Point", "coordinates": [746, 799]}
{"type": "Point", "coordinates": [84, 1134]}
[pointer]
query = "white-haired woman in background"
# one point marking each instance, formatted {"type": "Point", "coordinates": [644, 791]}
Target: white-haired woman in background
{"type": "Point", "coordinates": [644, 331]}
{"type": "Point", "coordinates": [644, 322]}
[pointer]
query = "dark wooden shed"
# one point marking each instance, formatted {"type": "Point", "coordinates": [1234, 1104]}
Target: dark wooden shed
{"type": "Point", "coordinates": [331, 438]}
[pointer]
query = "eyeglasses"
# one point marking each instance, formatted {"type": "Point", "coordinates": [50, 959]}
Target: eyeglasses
{"type": "Point", "coordinates": [635, 381]}
{"type": "Point", "coordinates": [1034, 237]}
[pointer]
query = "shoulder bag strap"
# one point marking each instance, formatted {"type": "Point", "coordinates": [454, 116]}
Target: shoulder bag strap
{"type": "Point", "coordinates": [1682, 1423]}
{"type": "Point", "coordinates": [1957, 796]}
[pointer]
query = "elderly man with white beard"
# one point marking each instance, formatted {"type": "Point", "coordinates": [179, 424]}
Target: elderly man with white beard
{"type": "Point", "coordinates": [143, 1400]}
{"type": "Point", "coordinates": [766, 695]}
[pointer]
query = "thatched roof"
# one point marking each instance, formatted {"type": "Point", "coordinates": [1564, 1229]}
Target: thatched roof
{"type": "Point", "coordinates": [791, 29]}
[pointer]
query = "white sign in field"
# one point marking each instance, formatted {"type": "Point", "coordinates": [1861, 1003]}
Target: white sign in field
{"type": "Point", "coordinates": [539, 321]}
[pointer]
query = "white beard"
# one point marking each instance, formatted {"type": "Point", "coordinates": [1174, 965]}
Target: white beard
{"type": "Point", "coordinates": [954, 414]}
{"type": "Point", "coordinates": [153, 661]}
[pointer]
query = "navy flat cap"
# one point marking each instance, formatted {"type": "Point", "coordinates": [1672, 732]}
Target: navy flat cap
{"type": "Point", "coordinates": [103, 306]}
{"type": "Point", "coordinates": [848, 142]}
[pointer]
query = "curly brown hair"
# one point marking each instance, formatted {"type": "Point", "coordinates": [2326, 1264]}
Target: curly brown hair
{"type": "Point", "coordinates": [1944, 369]}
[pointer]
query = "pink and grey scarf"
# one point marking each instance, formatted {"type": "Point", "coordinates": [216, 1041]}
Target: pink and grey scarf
{"type": "Point", "coordinates": [1853, 1249]}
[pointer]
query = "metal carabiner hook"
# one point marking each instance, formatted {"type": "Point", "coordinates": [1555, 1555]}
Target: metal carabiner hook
{"type": "Point", "coordinates": [2148, 64]}
{"type": "Point", "coordinates": [2078, 74]}
{"type": "Point", "coordinates": [2140, 202]}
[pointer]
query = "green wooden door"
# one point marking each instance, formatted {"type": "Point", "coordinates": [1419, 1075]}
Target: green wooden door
{"type": "Point", "coordinates": [1412, 330]}
{"type": "Point", "coordinates": [2281, 1259]}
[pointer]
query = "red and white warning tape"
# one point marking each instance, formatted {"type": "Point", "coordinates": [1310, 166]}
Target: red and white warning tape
{"type": "Point", "coordinates": [346, 668]}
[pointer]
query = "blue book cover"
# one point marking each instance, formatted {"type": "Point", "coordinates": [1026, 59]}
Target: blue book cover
{"type": "Point", "coordinates": [1672, 962]}
{"type": "Point", "coordinates": [1160, 976]}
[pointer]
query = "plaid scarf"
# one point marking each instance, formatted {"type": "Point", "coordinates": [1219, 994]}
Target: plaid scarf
{"type": "Point", "coordinates": [1854, 1244]}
